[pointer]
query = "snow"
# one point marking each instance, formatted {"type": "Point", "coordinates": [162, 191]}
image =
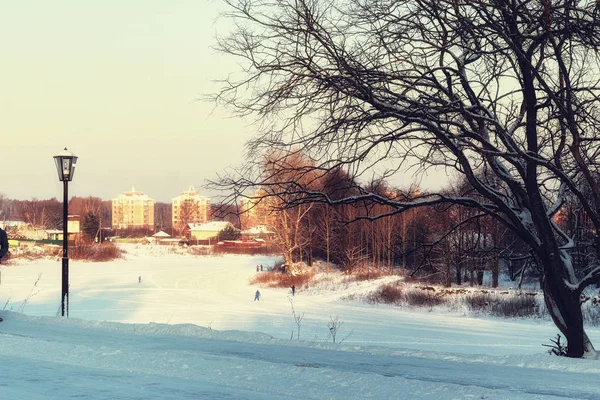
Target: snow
{"type": "Point", "coordinates": [191, 330]}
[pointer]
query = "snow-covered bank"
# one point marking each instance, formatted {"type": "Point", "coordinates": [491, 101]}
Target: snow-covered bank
{"type": "Point", "coordinates": [52, 358]}
{"type": "Point", "coordinates": [191, 329]}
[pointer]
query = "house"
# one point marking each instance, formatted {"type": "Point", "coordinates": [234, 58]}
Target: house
{"type": "Point", "coordinates": [23, 230]}
{"type": "Point", "coordinates": [258, 232]}
{"type": "Point", "coordinates": [133, 210]}
{"type": "Point", "coordinates": [73, 230]}
{"type": "Point", "coordinates": [207, 232]}
{"type": "Point", "coordinates": [163, 237]}
{"type": "Point", "coordinates": [12, 225]}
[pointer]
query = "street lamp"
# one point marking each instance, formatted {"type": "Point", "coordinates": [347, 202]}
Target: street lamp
{"type": "Point", "coordinates": [65, 165]}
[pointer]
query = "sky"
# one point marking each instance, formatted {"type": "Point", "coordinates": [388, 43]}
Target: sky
{"type": "Point", "coordinates": [191, 330]}
{"type": "Point", "coordinates": [119, 84]}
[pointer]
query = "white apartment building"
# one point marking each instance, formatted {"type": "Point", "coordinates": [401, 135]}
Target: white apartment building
{"type": "Point", "coordinates": [189, 207]}
{"type": "Point", "coordinates": [133, 210]}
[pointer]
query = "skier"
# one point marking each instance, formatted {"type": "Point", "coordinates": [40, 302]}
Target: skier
{"type": "Point", "coordinates": [257, 296]}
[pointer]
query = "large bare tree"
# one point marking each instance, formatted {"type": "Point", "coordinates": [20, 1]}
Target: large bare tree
{"type": "Point", "coordinates": [504, 92]}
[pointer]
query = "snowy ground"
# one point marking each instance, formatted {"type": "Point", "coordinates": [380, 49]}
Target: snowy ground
{"type": "Point", "coordinates": [191, 330]}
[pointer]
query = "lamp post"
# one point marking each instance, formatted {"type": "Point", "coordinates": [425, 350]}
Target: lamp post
{"type": "Point", "coordinates": [65, 165]}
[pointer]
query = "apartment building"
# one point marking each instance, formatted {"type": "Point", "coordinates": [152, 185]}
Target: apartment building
{"type": "Point", "coordinates": [257, 210]}
{"type": "Point", "coordinates": [189, 207]}
{"type": "Point", "coordinates": [133, 210]}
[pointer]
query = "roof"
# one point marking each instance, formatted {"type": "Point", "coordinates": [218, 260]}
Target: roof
{"type": "Point", "coordinates": [134, 195]}
{"type": "Point", "coordinates": [257, 230]}
{"type": "Point", "coordinates": [191, 193]}
{"type": "Point", "coordinates": [214, 226]}
{"type": "Point", "coordinates": [161, 234]}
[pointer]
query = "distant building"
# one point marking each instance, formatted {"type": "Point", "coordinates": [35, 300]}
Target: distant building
{"type": "Point", "coordinates": [189, 207]}
{"type": "Point", "coordinates": [73, 229]}
{"type": "Point", "coordinates": [257, 209]}
{"type": "Point", "coordinates": [209, 231]}
{"type": "Point", "coordinates": [133, 210]}
{"type": "Point", "coordinates": [258, 232]}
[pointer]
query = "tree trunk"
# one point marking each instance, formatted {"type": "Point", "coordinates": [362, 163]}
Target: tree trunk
{"type": "Point", "coordinates": [495, 272]}
{"type": "Point", "coordinates": [480, 277]}
{"type": "Point", "coordinates": [447, 275]}
{"type": "Point", "coordinates": [458, 274]}
{"type": "Point", "coordinates": [564, 307]}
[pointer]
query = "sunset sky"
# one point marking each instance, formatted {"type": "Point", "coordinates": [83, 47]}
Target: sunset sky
{"type": "Point", "coordinates": [118, 83]}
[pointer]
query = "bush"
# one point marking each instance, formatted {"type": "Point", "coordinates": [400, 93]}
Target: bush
{"type": "Point", "coordinates": [262, 250]}
{"type": "Point", "coordinates": [366, 276]}
{"type": "Point", "coordinates": [35, 252]}
{"type": "Point", "coordinates": [106, 251]}
{"type": "Point", "coordinates": [393, 293]}
{"type": "Point", "coordinates": [280, 280]}
{"type": "Point", "coordinates": [423, 298]}
{"type": "Point", "coordinates": [388, 293]}
{"type": "Point", "coordinates": [520, 305]}
{"type": "Point", "coordinates": [591, 313]}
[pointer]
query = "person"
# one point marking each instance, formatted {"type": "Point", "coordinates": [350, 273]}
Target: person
{"type": "Point", "coordinates": [140, 279]}
{"type": "Point", "coordinates": [256, 267]}
{"type": "Point", "coordinates": [3, 244]}
{"type": "Point", "coordinates": [261, 267]}
{"type": "Point", "coordinates": [3, 247]}
{"type": "Point", "coordinates": [293, 290]}
{"type": "Point", "coordinates": [257, 296]}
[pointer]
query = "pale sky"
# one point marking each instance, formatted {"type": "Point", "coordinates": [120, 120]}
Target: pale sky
{"type": "Point", "coordinates": [117, 83]}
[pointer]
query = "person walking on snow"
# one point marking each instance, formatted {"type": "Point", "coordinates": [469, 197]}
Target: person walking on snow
{"type": "Point", "coordinates": [257, 296]}
{"type": "Point", "coordinates": [293, 290]}
{"type": "Point", "coordinates": [3, 246]}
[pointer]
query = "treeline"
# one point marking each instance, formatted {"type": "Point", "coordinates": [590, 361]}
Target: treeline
{"type": "Point", "coordinates": [446, 243]}
{"type": "Point", "coordinates": [95, 213]}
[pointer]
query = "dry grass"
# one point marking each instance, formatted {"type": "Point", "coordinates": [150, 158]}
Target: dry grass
{"type": "Point", "coordinates": [365, 276]}
{"type": "Point", "coordinates": [276, 279]}
{"type": "Point", "coordinates": [389, 293]}
{"type": "Point", "coordinates": [106, 251]}
{"type": "Point", "coordinates": [394, 293]}
{"type": "Point", "coordinates": [519, 305]}
{"type": "Point", "coordinates": [34, 253]}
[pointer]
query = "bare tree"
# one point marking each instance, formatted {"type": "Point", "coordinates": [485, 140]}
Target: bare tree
{"type": "Point", "coordinates": [504, 92]}
{"type": "Point", "coordinates": [188, 212]}
{"type": "Point", "coordinates": [163, 217]}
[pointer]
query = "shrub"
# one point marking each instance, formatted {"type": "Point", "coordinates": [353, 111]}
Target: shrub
{"type": "Point", "coordinates": [388, 293]}
{"type": "Point", "coordinates": [366, 276]}
{"type": "Point", "coordinates": [95, 252]}
{"type": "Point", "coordinates": [35, 252]}
{"type": "Point", "coordinates": [278, 279]}
{"type": "Point", "coordinates": [393, 293]}
{"type": "Point", "coordinates": [200, 250]}
{"type": "Point", "coordinates": [591, 313]}
{"type": "Point", "coordinates": [504, 306]}
{"type": "Point", "coordinates": [423, 298]}
{"type": "Point", "coordinates": [479, 302]}
{"type": "Point", "coordinates": [262, 250]}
